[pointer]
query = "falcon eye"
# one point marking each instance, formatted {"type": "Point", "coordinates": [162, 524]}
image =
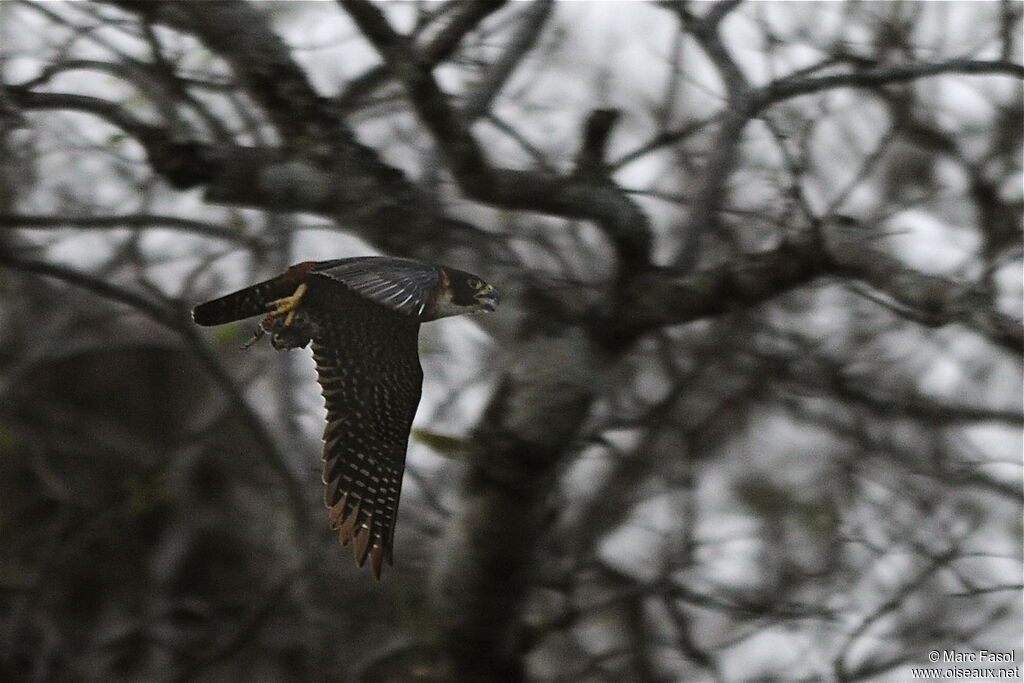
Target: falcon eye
{"type": "Point", "coordinates": [474, 283]}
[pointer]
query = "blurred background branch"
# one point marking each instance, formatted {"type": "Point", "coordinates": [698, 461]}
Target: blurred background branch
{"type": "Point", "coordinates": [750, 409]}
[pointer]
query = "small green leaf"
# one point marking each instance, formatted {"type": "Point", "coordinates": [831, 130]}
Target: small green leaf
{"type": "Point", "coordinates": [770, 500]}
{"type": "Point", "coordinates": [138, 494]}
{"type": "Point", "coordinates": [8, 441]}
{"type": "Point", "coordinates": [417, 615]}
{"type": "Point", "coordinates": [227, 335]}
{"type": "Point", "coordinates": [764, 497]}
{"type": "Point", "coordinates": [145, 492]}
{"type": "Point", "coordinates": [444, 444]}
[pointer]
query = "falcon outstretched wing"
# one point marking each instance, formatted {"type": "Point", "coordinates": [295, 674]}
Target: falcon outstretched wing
{"type": "Point", "coordinates": [368, 366]}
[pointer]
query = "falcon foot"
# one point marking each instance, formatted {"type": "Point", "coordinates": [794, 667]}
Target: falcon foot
{"type": "Point", "coordinates": [293, 337]}
{"type": "Point", "coordinates": [283, 335]}
{"type": "Point", "coordinates": [286, 323]}
{"type": "Point", "coordinates": [287, 306]}
{"type": "Point", "coordinates": [282, 338]}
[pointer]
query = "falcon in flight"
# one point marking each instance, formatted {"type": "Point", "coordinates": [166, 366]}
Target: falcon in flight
{"type": "Point", "coordinates": [363, 316]}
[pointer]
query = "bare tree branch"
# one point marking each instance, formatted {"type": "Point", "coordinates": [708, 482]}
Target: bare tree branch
{"type": "Point", "coordinates": [106, 110]}
{"type": "Point", "coordinates": [940, 300]}
{"type": "Point", "coordinates": [745, 101]}
{"type": "Point", "coordinates": [465, 16]}
{"type": "Point", "coordinates": [569, 197]}
{"type": "Point", "coordinates": [706, 32]}
{"type": "Point", "coordinates": [589, 377]}
{"type": "Point", "coordinates": [492, 543]}
{"type": "Point", "coordinates": [237, 32]}
{"type": "Point", "coordinates": [259, 609]}
{"type": "Point", "coordinates": [133, 221]}
{"type": "Point", "coordinates": [841, 665]}
{"type": "Point", "coordinates": [669, 296]}
{"type": "Point", "coordinates": [787, 88]}
{"type": "Point", "coordinates": [178, 323]}
{"type": "Point", "coordinates": [522, 41]}
{"type": "Point", "coordinates": [704, 218]}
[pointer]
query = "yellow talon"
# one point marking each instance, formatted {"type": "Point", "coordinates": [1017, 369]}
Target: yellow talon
{"type": "Point", "coordinates": [287, 305]}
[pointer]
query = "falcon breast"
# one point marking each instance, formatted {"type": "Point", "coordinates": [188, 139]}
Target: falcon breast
{"type": "Point", "coordinates": [362, 316]}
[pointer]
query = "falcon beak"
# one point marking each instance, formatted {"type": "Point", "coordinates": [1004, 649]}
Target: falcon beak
{"type": "Point", "coordinates": [488, 298]}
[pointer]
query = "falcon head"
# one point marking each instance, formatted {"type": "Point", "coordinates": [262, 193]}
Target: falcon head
{"type": "Point", "coordinates": [460, 293]}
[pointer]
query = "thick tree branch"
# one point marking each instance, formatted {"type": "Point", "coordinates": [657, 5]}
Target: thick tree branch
{"type": "Point", "coordinates": [353, 185]}
{"type": "Point", "coordinates": [238, 33]}
{"type": "Point", "coordinates": [938, 301]}
{"type": "Point", "coordinates": [569, 197]}
{"type": "Point", "coordinates": [671, 296]}
{"type": "Point", "coordinates": [266, 178]}
{"type": "Point", "coordinates": [320, 169]}
{"type": "Point", "coordinates": [311, 128]}
{"type": "Point", "coordinates": [234, 175]}
{"type": "Point", "coordinates": [249, 176]}
{"type": "Point", "coordinates": [182, 163]}
{"type": "Point", "coordinates": [490, 555]}
{"type": "Point", "coordinates": [112, 113]}
{"type": "Point", "coordinates": [591, 158]}
{"type": "Point", "coordinates": [157, 81]}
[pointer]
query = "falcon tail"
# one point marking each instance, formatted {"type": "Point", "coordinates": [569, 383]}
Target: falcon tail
{"type": "Point", "coordinates": [244, 303]}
